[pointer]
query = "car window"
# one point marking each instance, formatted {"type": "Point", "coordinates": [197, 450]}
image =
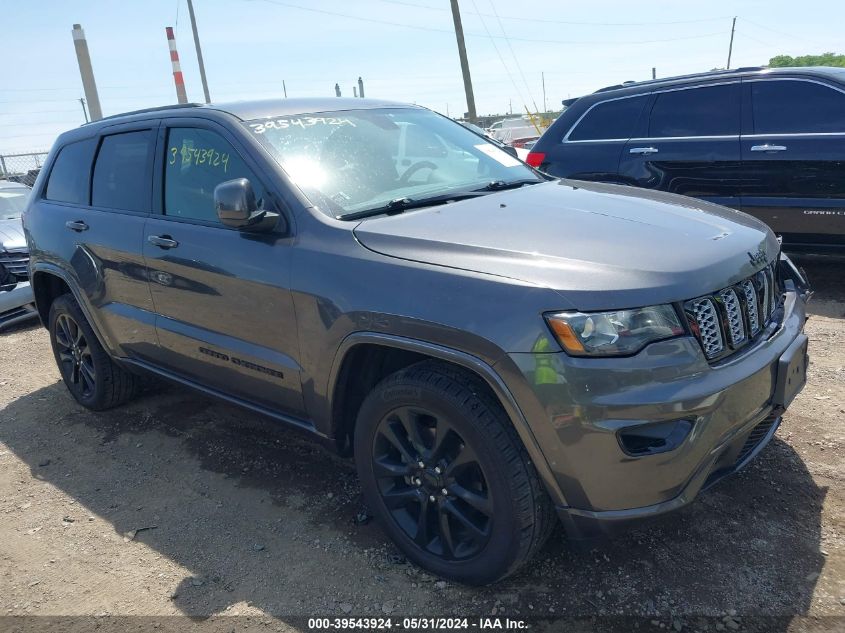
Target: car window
{"type": "Point", "coordinates": [705, 111]}
{"type": "Point", "coordinates": [197, 161]}
{"type": "Point", "coordinates": [69, 177]}
{"type": "Point", "coordinates": [790, 107]}
{"type": "Point", "coordinates": [121, 172]}
{"type": "Point", "coordinates": [611, 119]}
{"type": "Point", "coordinates": [356, 161]}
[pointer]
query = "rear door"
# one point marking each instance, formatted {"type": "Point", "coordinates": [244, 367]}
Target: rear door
{"type": "Point", "coordinates": [96, 201]}
{"type": "Point", "coordinates": [689, 144]}
{"type": "Point", "coordinates": [591, 148]}
{"type": "Point", "coordinates": [225, 316]}
{"type": "Point", "coordinates": [794, 159]}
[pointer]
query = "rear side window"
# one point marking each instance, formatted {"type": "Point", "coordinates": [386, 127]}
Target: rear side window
{"type": "Point", "coordinates": [122, 172]}
{"type": "Point", "coordinates": [197, 161]}
{"type": "Point", "coordinates": [705, 111]}
{"type": "Point", "coordinates": [610, 120]}
{"type": "Point", "coordinates": [68, 181]}
{"type": "Point", "coordinates": [789, 107]}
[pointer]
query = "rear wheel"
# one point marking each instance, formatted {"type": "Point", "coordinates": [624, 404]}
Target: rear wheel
{"type": "Point", "coordinates": [89, 373]}
{"type": "Point", "coordinates": [445, 473]}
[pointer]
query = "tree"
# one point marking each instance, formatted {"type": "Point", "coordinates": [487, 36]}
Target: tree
{"type": "Point", "coordinates": [825, 59]}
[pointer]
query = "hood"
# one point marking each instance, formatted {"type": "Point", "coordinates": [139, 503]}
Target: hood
{"type": "Point", "coordinates": [11, 235]}
{"type": "Point", "coordinates": [599, 246]}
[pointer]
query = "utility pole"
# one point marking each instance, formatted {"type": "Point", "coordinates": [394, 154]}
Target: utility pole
{"type": "Point", "coordinates": [199, 51]}
{"type": "Point", "coordinates": [87, 72]}
{"type": "Point", "coordinates": [285, 88]}
{"type": "Point", "coordinates": [354, 91]}
{"type": "Point", "coordinates": [178, 79]}
{"type": "Point", "coordinates": [543, 77]}
{"type": "Point", "coordinates": [84, 111]}
{"type": "Point", "coordinates": [337, 90]}
{"type": "Point", "coordinates": [360, 87]}
{"type": "Point", "coordinates": [731, 45]}
{"type": "Point", "coordinates": [653, 72]}
{"type": "Point", "coordinates": [462, 52]}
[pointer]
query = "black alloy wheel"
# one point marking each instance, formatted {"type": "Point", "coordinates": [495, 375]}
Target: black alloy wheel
{"type": "Point", "coordinates": [446, 475]}
{"type": "Point", "coordinates": [74, 354]}
{"type": "Point", "coordinates": [432, 483]}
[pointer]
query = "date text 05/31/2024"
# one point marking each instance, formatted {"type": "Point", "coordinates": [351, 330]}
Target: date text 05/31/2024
{"type": "Point", "coordinates": [421, 624]}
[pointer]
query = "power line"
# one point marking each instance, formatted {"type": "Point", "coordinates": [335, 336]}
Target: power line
{"type": "Point", "coordinates": [570, 22]}
{"type": "Point", "coordinates": [513, 54]}
{"type": "Point", "coordinates": [431, 29]}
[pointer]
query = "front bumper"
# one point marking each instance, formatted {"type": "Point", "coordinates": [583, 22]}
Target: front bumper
{"type": "Point", "coordinates": [16, 305]}
{"type": "Point", "coordinates": [579, 416]}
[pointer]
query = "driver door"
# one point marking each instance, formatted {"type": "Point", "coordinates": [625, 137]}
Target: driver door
{"type": "Point", "coordinates": [224, 312]}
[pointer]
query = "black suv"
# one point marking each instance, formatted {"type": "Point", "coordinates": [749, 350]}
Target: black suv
{"type": "Point", "coordinates": [494, 346]}
{"type": "Point", "coordinates": [770, 142]}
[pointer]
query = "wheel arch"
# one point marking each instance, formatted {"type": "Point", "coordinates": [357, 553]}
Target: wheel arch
{"type": "Point", "coordinates": [382, 354]}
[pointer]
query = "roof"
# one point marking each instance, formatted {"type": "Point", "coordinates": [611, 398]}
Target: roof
{"type": "Point", "coordinates": [256, 109]}
{"type": "Point", "coordinates": [828, 72]}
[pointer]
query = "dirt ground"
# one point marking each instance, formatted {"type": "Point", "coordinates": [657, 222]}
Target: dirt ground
{"type": "Point", "coordinates": [177, 504]}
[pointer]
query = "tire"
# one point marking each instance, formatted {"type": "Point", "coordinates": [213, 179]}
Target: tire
{"type": "Point", "coordinates": [432, 442]}
{"type": "Point", "coordinates": [89, 373]}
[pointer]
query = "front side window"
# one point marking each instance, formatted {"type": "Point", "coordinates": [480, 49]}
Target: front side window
{"type": "Point", "coordinates": [610, 120]}
{"type": "Point", "coordinates": [122, 173]}
{"type": "Point", "coordinates": [357, 161]}
{"type": "Point", "coordinates": [705, 111]}
{"type": "Point", "coordinates": [795, 107]}
{"type": "Point", "coordinates": [197, 161]}
{"type": "Point", "coordinates": [68, 181]}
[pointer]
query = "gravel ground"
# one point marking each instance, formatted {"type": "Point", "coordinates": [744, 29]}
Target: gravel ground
{"type": "Point", "coordinates": [179, 505]}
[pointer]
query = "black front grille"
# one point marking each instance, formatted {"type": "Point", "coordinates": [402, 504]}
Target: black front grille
{"type": "Point", "coordinates": [758, 433]}
{"type": "Point", "coordinates": [16, 262]}
{"type": "Point", "coordinates": [727, 320]}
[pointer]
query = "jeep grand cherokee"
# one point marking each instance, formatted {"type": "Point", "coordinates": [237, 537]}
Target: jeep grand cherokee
{"type": "Point", "coordinates": [493, 346]}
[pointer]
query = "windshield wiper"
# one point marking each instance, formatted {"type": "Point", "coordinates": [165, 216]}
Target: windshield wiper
{"type": "Point", "coordinates": [499, 185]}
{"type": "Point", "coordinates": [398, 205]}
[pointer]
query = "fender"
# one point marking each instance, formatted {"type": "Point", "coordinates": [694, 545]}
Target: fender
{"type": "Point", "coordinates": [56, 271]}
{"type": "Point", "coordinates": [473, 364]}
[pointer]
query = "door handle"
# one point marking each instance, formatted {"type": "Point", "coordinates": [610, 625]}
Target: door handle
{"type": "Point", "coordinates": [162, 241]}
{"type": "Point", "coordinates": [643, 150]}
{"type": "Point", "coordinates": [768, 148]}
{"type": "Point", "coordinates": [76, 225]}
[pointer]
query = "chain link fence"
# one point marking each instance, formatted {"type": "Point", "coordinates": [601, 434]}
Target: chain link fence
{"type": "Point", "coordinates": [21, 168]}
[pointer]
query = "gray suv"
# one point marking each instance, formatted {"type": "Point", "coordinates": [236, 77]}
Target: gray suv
{"type": "Point", "coordinates": [494, 347]}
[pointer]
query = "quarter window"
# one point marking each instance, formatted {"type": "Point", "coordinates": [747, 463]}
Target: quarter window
{"type": "Point", "coordinates": [197, 161]}
{"type": "Point", "coordinates": [705, 111]}
{"type": "Point", "coordinates": [122, 173]}
{"type": "Point", "coordinates": [70, 175]}
{"type": "Point", "coordinates": [789, 107]}
{"type": "Point", "coordinates": [610, 120]}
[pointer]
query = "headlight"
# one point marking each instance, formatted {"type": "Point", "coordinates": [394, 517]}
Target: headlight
{"type": "Point", "coordinates": [617, 333]}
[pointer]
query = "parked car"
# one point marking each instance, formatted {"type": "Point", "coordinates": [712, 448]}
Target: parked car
{"type": "Point", "coordinates": [518, 129]}
{"type": "Point", "coordinates": [492, 346]}
{"type": "Point", "coordinates": [16, 301]}
{"type": "Point", "coordinates": [766, 141]}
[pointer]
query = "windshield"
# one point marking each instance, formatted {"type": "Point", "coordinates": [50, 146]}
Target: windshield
{"type": "Point", "coordinates": [353, 161]}
{"type": "Point", "coordinates": [12, 202]}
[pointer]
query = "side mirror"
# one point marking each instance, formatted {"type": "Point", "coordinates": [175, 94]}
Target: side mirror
{"type": "Point", "coordinates": [234, 201]}
{"type": "Point", "coordinates": [510, 150]}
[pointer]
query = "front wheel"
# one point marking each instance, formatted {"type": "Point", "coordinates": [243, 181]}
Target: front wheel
{"type": "Point", "coordinates": [446, 475]}
{"type": "Point", "coordinates": [89, 373]}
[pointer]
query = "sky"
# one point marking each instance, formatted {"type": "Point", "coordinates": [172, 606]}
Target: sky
{"type": "Point", "coordinates": [405, 50]}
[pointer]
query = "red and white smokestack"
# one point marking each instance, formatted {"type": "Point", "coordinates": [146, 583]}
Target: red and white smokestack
{"type": "Point", "coordinates": [178, 79]}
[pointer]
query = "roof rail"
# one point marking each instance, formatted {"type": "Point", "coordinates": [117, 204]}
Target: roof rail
{"type": "Point", "coordinates": [628, 84]}
{"type": "Point", "coordinates": [146, 110]}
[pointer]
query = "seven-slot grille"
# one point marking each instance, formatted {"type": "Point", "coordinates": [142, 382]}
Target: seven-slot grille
{"type": "Point", "coordinates": [16, 262]}
{"type": "Point", "coordinates": [726, 320]}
